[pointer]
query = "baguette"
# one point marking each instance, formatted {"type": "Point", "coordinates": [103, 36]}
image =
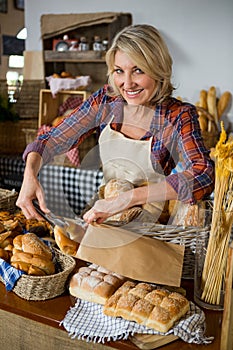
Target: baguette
{"type": "Point", "coordinates": [203, 100]}
{"type": "Point", "coordinates": [223, 103]}
{"type": "Point", "coordinates": [212, 103]}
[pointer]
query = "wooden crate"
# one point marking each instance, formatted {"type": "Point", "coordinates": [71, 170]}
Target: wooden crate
{"type": "Point", "coordinates": [48, 110]}
{"type": "Point", "coordinates": [49, 105]}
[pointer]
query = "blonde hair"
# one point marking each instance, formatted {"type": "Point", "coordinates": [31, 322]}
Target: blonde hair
{"type": "Point", "coordinates": [147, 49]}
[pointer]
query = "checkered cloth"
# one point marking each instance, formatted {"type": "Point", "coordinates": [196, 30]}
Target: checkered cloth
{"type": "Point", "coordinates": [9, 274]}
{"type": "Point", "coordinates": [68, 190]}
{"type": "Point", "coordinates": [86, 321]}
{"type": "Point", "coordinates": [11, 172]}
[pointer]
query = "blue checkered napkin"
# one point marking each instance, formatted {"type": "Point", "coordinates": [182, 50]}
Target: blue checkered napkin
{"type": "Point", "coordinates": [86, 321]}
{"type": "Point", "coordinates": [9, 274]}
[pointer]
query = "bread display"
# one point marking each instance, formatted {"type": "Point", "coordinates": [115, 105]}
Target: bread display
{"type": "Point", "coordinates": [156, 308]}
{"type": "Point", "coordinates": [140, 302]}
{"type": "Point", "coordinates": [112, 189]}
{"type": "Point", "coordinates": [32, 255]}
{"type": "Point", "coordinates": [94, 283]}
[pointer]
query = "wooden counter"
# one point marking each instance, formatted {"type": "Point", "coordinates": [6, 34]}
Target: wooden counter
{"type": "Point", "coordinates": [32, 324]}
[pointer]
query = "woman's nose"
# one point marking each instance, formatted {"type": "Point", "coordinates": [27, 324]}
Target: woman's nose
{"type": "Point", "coordinates": [128, 81]}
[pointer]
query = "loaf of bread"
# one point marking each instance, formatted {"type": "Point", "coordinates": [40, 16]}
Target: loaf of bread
{"type": "Point", "coordinates": [95, 283]}
{"type": "Point", "coordinates": [31, 255]}
{"type": "Point", "coordinates": [112, 189]}
{"type": "Point", "coordinates": [140, 302]}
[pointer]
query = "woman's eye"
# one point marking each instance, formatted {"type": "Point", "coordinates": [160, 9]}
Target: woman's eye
{"type": "Point", "coordinates": [118, 70]}
{"type": "Point", "coordinates": [138, 70]}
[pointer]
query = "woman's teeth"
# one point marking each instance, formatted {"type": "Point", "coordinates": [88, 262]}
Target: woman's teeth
{"type": "Point", "coordinates": [133, 92]}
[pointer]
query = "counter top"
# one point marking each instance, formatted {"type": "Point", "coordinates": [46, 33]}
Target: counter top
{"type": "Point", "coordinates": [52, 312]}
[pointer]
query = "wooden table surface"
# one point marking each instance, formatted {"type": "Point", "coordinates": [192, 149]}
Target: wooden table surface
{"type": "Point", "coordinates": [51, 312]}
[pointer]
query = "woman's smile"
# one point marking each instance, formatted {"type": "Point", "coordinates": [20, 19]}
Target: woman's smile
{"type": "Point", "coordinates": [134, 85]}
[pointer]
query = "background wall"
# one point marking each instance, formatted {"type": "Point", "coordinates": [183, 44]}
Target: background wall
{"type": "Point", "coordinates": [198, 34]}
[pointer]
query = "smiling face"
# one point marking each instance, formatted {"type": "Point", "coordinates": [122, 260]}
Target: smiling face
{"type": "Point", "coordinates": [134, 85]}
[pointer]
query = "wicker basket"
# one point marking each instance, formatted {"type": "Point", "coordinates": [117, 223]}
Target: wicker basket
{"type": "Point", "coordinates": [46, 287]}
{"type": "Point", "coordinates": [210, 137]}
{"type": "Point", "coordinates": [8, 199]}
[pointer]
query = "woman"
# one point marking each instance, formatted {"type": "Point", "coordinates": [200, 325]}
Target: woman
{"type": "Point", "coordinates": [144, 131]}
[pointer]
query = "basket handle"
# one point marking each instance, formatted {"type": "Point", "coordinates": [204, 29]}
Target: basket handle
{"type": "Point", "coordinates": [207, 115]}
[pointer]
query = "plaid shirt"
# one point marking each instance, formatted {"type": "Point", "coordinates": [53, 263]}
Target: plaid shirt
{"type": "Point", "coordinates": [176, 137]}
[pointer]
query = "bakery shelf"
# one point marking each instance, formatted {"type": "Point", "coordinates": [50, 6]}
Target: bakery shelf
{"type": "Point", "coordinates": [73, 56]}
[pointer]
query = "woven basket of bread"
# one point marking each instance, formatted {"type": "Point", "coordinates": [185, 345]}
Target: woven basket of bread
{"type": "Point", "coordinates": [211, 109]}
{"type": "Point", "coordinates": [8, 199]}
{"type": "Point", "coordinates": [209, 133]}
{"type": "Point", "coordinates": [46, 287]}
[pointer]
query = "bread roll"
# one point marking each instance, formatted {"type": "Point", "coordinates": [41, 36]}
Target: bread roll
{"type": "Point", "coordinates": [20, 265]}
{"type": "Point", "coordinates": [65, 244]}
{"type": "Point", "coordinates": [28, 268]}
{"type": "Point", "coordinates": [17, 242]}
{"type": "Point", "coordinates": [32, 244]}
{"type": "Point", "coordinates": [66, 75]}
{"type": "Point", "coordinates": [32, 255]}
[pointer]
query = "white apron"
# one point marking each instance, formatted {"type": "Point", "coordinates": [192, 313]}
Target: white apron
{"type": "Point", "coordinates": [129, 159]}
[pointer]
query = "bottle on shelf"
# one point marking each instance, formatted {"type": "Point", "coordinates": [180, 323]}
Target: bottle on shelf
{"type": "Point", "coordinates": [83, 45]}
{"type": "Point", "coordinates": [97, 44]}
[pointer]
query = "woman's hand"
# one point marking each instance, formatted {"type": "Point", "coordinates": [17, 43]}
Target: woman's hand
{"type": "Point", "coordinates": [31, 189]}
{"type": "Point", "coordinates": [104, 208]}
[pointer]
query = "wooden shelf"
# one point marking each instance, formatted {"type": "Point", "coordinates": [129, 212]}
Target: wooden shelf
{"type": "Point", "coordinates": [89, 62]}
{"type": "Point", "coordinates": [74, 56]}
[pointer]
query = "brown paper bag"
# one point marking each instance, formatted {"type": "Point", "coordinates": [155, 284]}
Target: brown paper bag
{"type": "Point", "coordinates": [132, 255]}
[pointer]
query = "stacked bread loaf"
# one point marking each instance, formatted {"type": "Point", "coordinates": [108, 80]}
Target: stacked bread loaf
{"type": "Point", "coordinates": [141, 302]}
{"type": "Point", "coordinates": [32, 255]}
